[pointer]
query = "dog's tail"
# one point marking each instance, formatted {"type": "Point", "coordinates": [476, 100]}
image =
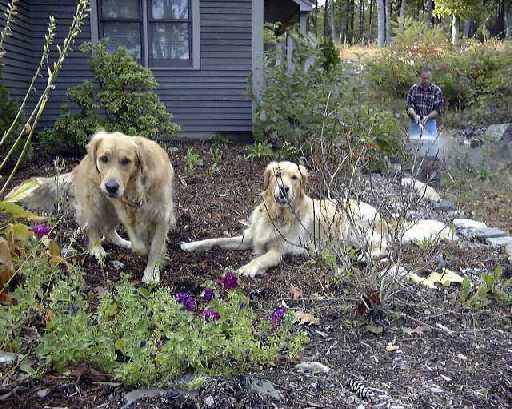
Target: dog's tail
{"type": "Point", "coordinates": [48, 195]}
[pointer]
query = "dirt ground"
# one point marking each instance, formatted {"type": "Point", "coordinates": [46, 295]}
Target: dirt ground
{"type": "Point", "coordinates": [432, 353]}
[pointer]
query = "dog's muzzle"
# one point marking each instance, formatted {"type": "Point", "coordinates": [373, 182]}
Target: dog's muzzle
{"type": "Point", "coordinates": [282, 195]}
{"type": "Point", "coordinates": [112, 188]}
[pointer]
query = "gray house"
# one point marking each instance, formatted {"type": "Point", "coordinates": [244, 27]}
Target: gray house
{"type": "Point", "coordinates": [201, 52]}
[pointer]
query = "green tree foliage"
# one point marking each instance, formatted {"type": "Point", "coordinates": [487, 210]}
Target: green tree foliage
{"type": "Point", "coordinates": [122, 97]}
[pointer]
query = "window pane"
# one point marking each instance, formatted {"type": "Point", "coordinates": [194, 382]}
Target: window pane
{"type": "Point", "coordinates": [123, 35]}
{"type": "Point", "coordinates": [120, 9]}
{"type": "Point", "coordinates": [172, 9]}
{"type": "Point", "coordinates": [170, 41]}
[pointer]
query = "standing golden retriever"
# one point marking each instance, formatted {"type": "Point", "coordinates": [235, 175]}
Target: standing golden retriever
{"type": "Point", "coordinates": [290, 222]}
{"type": "Point", "coordinates": [126, 180]}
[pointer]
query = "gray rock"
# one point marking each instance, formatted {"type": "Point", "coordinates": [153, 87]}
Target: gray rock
{"type": "Point", "coordinates": [444, 205]}
{"type": "Point", "coordinates": [468, 224]}
{"type": "Point", "coordinates": [42, 393]}
{"type": "Point", "coordinates": [489, 232]}
{"type": "Point", "coordinates": [499, 241]}
{"type": "Point", "coordinates": [508, 251]}
{"type": "Point", "coordinates": [313, 367]}
{"type": "Point", "coordinates": [7, 358]}
{"type": "Point", "coordinates": [495, 132]}
{"type": "Point", "coordinates": [118, 265]}
{"type": "Point", "coordinates": [264, 388]}
{"type": "Point", "coordinates": [138, 394]}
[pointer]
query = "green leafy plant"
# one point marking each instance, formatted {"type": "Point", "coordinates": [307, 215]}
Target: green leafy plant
{"type": "Point", "coordinates": [122, 97]}
{"type": "Point", "coordinates": [192, 161]}
{"type": "Point", "coordinates": [494, 287]}
{"type": "Point", "coordinates": [259, 150]}
{"type": "Point", "coordinates": [216, 154]}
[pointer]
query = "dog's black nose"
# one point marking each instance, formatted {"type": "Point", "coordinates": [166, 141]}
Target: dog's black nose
{"type": "Point", "coordinates": [112, 187]}
{"type": "Point", "coordinates": [283, 191]}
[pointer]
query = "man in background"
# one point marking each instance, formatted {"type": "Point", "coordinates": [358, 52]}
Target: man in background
{"type": "Point", "coordinates": [424, 105]}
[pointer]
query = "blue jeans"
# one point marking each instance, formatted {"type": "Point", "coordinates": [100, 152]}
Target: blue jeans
{"type": "Point", "coordinates": [424, 144]}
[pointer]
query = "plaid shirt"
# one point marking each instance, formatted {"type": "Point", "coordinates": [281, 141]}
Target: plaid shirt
{"type": "Point", "coordinates": [424, 100]}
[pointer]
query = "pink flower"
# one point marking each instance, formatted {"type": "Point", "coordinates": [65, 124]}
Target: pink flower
{"type": "Point", "coordinates": [41, 230]}
{"type": "Point", "coordinates": [229, 281]}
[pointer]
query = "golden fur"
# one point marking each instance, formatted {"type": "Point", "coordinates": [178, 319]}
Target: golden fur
{"type": "Point", "coordinates": [288, 221]}
{"type": "Point", "coordinates": [126, 180]}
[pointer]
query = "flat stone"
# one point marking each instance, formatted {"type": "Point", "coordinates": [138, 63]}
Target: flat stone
{"type": "Point", "coordinates": [264, 388]}
{"type": "Point", "coordinates": [508, 251]}
{"type": "Point", "coordinates": [7, 358]}
{"type": "Point", "coordinates": [495, 132]}
{"type": "Point", "coordinates": [489, 233]}
{"type": "Point", "coordinates": [468, 224]}
{"type": "Point", "coordinates": [138, 394]}
{"type": "Point", "coordinates": [312, 367]}
{"type": "Point", "coordinates": [444, 205]}
{"type": "Point", "coordinates": [499, 241]}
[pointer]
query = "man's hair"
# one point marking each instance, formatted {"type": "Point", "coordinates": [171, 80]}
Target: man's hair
{"type": "Point", "coordinates": [426, 68]}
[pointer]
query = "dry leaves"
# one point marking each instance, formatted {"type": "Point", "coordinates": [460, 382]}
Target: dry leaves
{"type": "Point", "coordinates": [296, 293]}
{"type": "Point", "coordinates": [304, 318]}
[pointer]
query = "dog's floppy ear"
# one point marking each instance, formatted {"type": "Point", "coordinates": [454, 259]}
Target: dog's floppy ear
{"type": "Point", "coordinates": [93, 145]}
{"type": "Point", "coordinates": [144, 159]}
{"type": "Point", "coordinates": [268, 174]}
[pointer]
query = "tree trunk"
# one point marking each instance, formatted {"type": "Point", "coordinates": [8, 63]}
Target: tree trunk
{"type": "Point", "coordinates": [429, 6]}
{"type": "Point", "coordinates": [316, 17]}
{"type": "Point", "coordinates": [342, 26]}
{"type": "Point", "coordinates": [402, 16]}
{"type": "Point", "coordinates": [455, 30]}
{"type": "Point", "coordinates": [507, 17]}
{"type": "Point", "coordinates": [370, 22]}
{"type": "Point", "coordinates": [388, 21]}
{"type": "Point", "coordinates": [332, 19]}
{"type": "Point", "coordinates": [326, 18]}
{"type": "Point", "coordinates": [352, 16]}
{"type": "Point", "coordinates": [469, 28]}
{"type": "Point", "coordinates": [361, 21]}
{"type": "Point", "coordinates": [381, 24]}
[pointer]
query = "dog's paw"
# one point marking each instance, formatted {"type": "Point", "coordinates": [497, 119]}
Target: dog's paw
{"type": "Point", "coordinates": [99, 253]}
{"type": "Point", "coordinates": [187, 246]}
{"type": "Point", "coordinates": [139, 248]}
{"type": "Point", "coordinates": [151, 275]}
{"type": "Point", "coordinates": [250, 270]}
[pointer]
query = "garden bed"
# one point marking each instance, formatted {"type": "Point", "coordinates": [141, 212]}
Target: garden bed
{"type": "Point", "coordinates": [441, 355]}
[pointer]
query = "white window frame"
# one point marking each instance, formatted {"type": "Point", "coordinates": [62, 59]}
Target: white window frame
{"type": "Point", "coordinates": [196, 36]}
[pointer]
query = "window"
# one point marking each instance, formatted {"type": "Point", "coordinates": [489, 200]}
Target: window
{"type": "Point", "coordinates": [157, 33]}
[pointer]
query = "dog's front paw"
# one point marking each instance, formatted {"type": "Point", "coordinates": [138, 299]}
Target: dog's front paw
{"type": "Point", "coordinates": [139, 248]}
{"type": "Point", "coordinates": [187, 246]}
{"type": "Point", "coordinates": [151, 275]}
{"type": "Point", "coordinates": [99, 253]}
{"type": "Point", "coordinates": [250, 270]}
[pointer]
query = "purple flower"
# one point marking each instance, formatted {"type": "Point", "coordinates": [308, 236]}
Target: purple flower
{"type": "Point", "coordinates": [41, 230]}
{"type": "Point", "coordinates": [229, 281]}
{"type": "Point", "coordinates": [187, 300]}
{"type": "Point", "coordinates": [208, 294]}
{"type": "Point", "coordinates": [278, 315]}
{"type": "Point", "coordinates": [211, 315]}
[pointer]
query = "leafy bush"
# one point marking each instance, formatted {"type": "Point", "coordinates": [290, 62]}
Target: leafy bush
{"type": "Point", "coordinates": [299, 106]}
{"type": "Point", "coordinates": [470, 77]}
{"type": "Point", "coordinates": [137, 335]}
{"type": "Point", "coordinates": [122, 97]}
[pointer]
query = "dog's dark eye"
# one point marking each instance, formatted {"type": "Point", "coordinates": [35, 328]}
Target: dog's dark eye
{"type": "Point", "coordinates": [124, 161]}
{"type": "Point", "coordinates": [295, 177]}
{"type": "Point", "coordinates": [104, 158]}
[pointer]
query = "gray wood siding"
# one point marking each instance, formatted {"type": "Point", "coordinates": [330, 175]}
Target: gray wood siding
{"type": "Point", "coordinates": [17, 63]}
{"type": "Point", "coordinates": [205, 101]}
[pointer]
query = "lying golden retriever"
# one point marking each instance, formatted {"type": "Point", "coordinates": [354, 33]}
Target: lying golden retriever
{"type": "Point", "coordinates": [288, 221]}
{"type": "Point", "coordinates": [126, 180]}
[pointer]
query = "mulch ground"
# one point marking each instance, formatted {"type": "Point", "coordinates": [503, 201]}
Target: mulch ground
{"type": "Point", "coordinates": [432, 353]}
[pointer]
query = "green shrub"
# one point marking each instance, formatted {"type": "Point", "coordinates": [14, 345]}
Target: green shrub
{"type": "Point", "coordinates": [122, 97]}
{"type": "Point", "coordinates": [298, 107]}
{"type": "Point", "coordinates": [469, 77]}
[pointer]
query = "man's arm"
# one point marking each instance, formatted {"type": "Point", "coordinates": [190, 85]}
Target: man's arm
{"type": "Point", "coordinates": [410, 105]}
{"type": "Point", "coordinates": [438, 105]}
